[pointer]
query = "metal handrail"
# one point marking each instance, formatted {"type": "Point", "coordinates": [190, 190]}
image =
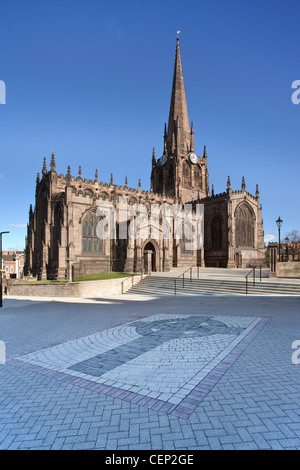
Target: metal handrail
{"type": "Point", "coordinates": [132, 277]}
{"type": "Point", "coordinates": [182, 274]}
{"type": "Point", "coordinates": [253, 270]}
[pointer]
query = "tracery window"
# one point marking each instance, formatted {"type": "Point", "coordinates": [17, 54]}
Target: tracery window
{"type": "Point", "coordinates": [186, 173]}
{"type": "Point", "coordinates": [91, 241]}
{"type": "Point", "coordinates": [216, 232]}
{"type": "Point", "coordinates": [244, 225]}
{"type": "Point", "coordinates": [170, 176]}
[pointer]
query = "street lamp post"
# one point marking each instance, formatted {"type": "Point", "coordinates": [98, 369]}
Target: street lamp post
{"type": "Point", "coordinates": [279, 223]}
{"type": "Point", "coordinates": [1, 287]}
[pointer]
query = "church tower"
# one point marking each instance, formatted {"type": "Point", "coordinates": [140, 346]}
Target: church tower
{"type": "Point", "coordinates": [179, 172]}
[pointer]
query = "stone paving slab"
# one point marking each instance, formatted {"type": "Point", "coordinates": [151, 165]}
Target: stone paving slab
{"type": "Point", "coordinates": [164, 362]}
{"type": "Point", "coordinates": [248, 397]}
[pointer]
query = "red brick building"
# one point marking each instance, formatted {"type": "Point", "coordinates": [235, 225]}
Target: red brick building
{"type": "Point", "coordinates": [12, 264]}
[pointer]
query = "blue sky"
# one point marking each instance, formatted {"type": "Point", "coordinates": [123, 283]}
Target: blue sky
{"type": "Point", "coordinates": [91, 80]}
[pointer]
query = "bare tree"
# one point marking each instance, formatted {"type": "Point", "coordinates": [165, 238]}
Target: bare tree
{"type": "Point", "coordinates": [294, 244]}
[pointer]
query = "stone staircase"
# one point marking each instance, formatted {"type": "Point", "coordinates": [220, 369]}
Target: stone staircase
{"type": "Point", "coordinates": [214, 282]}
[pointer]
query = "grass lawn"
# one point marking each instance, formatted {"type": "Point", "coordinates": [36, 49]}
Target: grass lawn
{"type": "Point", "coordinates": [101, 276]}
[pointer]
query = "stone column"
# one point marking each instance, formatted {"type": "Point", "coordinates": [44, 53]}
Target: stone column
{"type": "Point", "coordinates": [148, 261]}
{"type": "Point", "coordinates": [273, 247]}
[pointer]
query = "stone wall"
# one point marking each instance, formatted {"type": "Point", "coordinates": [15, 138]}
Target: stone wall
{"type": "Point", "coordinates": [103, 288]}
{"type": "Point", "coordinates": [288, 269]}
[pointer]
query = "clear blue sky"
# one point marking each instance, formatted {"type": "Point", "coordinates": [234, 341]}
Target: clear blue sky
{"type": "Point", "coordinates": [91, 80]}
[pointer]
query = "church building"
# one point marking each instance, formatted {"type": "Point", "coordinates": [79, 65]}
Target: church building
{"type": "Point", "coordinates": [65, 237]}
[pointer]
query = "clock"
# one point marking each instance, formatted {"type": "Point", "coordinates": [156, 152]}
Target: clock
{"type": "Point", "coordinates": [163, 159]}
{"type": "Point", "coordinates": [193, 158]}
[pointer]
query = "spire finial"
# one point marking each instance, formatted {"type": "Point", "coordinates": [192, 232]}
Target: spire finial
{"type": "Point", "coordinates": [52, 164]}
{"type": "Point", "coordinates": [79, 171]}
{"type": "Point", "coordinates": [212, 190]}
{"type": "Point", "coordinates": [139, 182]}
{"type": "Point", "coordinates": [228, 183]}
{"type": "Point", "coordinates": [69, 172]}
{"type": "Point", "coordinates": [257, 191]}
{"type": "Point", "coordinates": [96, 175]}
{"type": "Point", "coordinates": [126, 182]}
{"type": "Point", "coordinates": [111, 179]}
{"type": "Point", "coordinates": [204, 152]}
{"type": "Point", "coordinates": [44, 170]}
{"type": "Point", "coordinates": [243, 184]}
{"type": "Point", "coordinates": [153, 157]}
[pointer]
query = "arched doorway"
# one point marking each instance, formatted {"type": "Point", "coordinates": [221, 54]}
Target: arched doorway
{"type": "Point", "coordinates": [150, 254]}
{"type": "Point", "coordinates": [238, 260]}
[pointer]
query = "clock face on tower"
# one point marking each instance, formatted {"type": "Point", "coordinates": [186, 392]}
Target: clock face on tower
{"type": "Point", "coordinates": [193, 158]}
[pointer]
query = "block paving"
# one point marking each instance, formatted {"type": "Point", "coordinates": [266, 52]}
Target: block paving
{"type": "Point", "coordinates": [244, 394]}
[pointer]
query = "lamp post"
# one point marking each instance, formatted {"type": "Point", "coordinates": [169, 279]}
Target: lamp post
{"type": "Point", "coordinates": [1, 287]}
{"type": "Point", "coordinates": [279, 223]}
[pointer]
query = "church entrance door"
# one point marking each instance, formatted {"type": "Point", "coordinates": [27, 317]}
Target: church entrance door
{"type": "Point", "coordinates": [149, 257]}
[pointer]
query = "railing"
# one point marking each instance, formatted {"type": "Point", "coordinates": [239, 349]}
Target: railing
{"type": "Point", "coordinates": [252, 271]}
{"type": "Point", "coordinates": [132, 280]}
{"type": "Point", "coordinates": [182, 274]}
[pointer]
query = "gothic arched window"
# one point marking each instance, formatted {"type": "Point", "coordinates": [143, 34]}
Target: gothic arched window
{"type": "Point", "coordinates": [160, 180]}
{"type": "Point", "coordinates": [198, 177]}
{"type": "Point", "coordinates": [244, 225]}
{"type": "Point", "coordinates": [91, 241]}
{"type": "Point", "coordinates": [170, 176]}
{"type": "Point", "coordinates": [186, 173]}
{"type": "Point", "coordinates": [216, 232]}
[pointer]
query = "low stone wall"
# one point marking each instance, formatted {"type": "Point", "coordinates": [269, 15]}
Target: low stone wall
{"type": "Point", "coordinates": [288, 269]}
{"type": "Point", "coordinates": [103, 288]}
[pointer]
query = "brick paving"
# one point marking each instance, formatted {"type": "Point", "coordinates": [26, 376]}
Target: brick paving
{"type": "Point", "coordinates": [247, 398]}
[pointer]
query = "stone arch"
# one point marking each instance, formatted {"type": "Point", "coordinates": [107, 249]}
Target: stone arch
{"type": "Point", "coordinates": [151, 245]}
{"type": "Point", "coordinates": [244, 225]}
{"type": "Point", "coordinates": [216, 231]}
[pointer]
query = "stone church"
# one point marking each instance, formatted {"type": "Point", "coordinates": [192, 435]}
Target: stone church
{"type": "Point", "coordinates": [63, 239]}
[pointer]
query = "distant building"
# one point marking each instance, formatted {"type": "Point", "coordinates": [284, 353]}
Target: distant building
{"type": "Point", "coordinates": [13, 264]}
{"type": "Point", "coordinates": [62, 230]}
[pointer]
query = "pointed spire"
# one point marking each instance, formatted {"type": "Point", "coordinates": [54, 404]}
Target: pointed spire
{"type": "Point", "coordinates": [44, 170]}
{"type": "Point", "coordinates": [52, 164]}
{"type": "Point", "coordinates": [178, 137]}
{"type": "Point", "coordinates": [96, 176]}
{"type": "Point", "coordinates": [139, 183]}
{"type": "Point", "coordinates": [126, 182]}
{"type": "Point", "coordinates": [257, 191]}
{"type": "Point", "coordinates": [212, 190]}
{"type": "Point", "coordinates": [204, 152]}
{"type": "Point", "coordinates": [243, 184]}
{"type": "Point", "coordinates": [38, 178]}
{"type": "Point", "coordinates": [111, 179]}
{"type": "Point", "coordinates": [69, 172]}
{"type": "Point", "coordinates": [79, 172]}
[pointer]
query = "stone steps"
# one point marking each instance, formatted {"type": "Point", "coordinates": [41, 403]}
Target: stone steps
{"type": "Point", "coordinates": [165, 285]}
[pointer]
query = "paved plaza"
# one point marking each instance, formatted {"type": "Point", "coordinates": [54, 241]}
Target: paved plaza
{"type": "Point", "coordinates": [155, 373]}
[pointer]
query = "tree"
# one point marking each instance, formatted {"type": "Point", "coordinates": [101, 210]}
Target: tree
{"type": "Point", "coordinates": [294, 243]}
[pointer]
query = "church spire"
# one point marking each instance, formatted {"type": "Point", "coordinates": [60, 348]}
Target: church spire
{"type": "Point", "coordinates": [178, 136]}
